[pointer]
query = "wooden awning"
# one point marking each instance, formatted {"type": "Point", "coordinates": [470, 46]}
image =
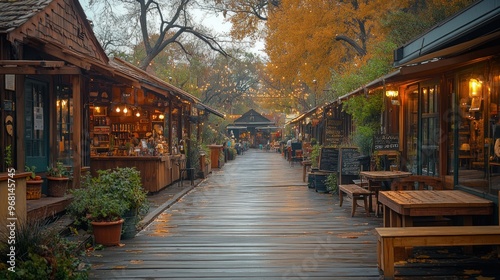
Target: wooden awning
{"type": "Point", "coordinates": [33, 67]}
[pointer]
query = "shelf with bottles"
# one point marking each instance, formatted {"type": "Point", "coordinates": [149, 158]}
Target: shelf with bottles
{"type": "Point", "coordinates": [101, 121]}
{"type": "Point", "coordinates": [123, 127]}
{"type": "Point", "coordinates": [121, 135]}
{"type": "Point", "coordinates": [101, 130]}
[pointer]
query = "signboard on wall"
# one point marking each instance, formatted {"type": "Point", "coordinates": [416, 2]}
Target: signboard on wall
{"type": "Point", "coordinates": [383, 142]}
{"type": "Point", "coordinates": [38, 113]}
{"type": "Point", "coordinates": [334, 132]}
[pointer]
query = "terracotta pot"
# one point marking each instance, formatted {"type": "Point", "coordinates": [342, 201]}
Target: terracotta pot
{"type": "Point", "coordinates": [107, 233]}
{"type": "Point", "coordinates": [57, 186]}
{"type": "Point", "coordinates": [34, 189]}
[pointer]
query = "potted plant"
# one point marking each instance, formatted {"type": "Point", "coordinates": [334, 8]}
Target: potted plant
{"type": "Point", "coordinates": [33, 184]}
{"type": "Point", "coordinates": [125, 182]}
{"type": "Point", "coordinates": [113, 195]}
{"type": "Point", "coordinates": [100, 209]}
{"type": "Point", "coordinates": [57, 180]}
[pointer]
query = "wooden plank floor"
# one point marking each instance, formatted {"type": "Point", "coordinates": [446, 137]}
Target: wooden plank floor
{"type": "Point", "coordinates": [253, 219]}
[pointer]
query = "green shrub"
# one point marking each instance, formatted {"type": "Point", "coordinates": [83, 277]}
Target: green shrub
{"type": "Point", "coordinates": [108, 196]}
{"type": "Point", "coordinates": [331, 183]}
{"type": "Point", "coordinates": [41, 253]}
{"type": "Point", "coordinates": [316, 149]}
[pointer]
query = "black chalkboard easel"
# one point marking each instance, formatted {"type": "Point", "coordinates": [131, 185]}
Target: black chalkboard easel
{"type": "Point", "coordinates": [349, 163]}
{"type": "Point", "coordinates": [329, 159]}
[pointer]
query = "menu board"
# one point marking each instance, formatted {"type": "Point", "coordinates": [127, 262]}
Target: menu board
{"type": "Point", "coordinates": [329, 159]}
{"type": "Point", "coordinates": [350, 164]}
{"type": "Point", "coordinates": [385, 142]}
{"type": "Point", "coordinates": [334, 132]}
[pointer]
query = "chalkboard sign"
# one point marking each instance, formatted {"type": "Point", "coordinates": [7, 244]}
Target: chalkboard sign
{"type": "Point", "coordinates": [385, 142]}
{"type": "Point", "coordinates": [329, 159]}
{"type": "Point", "coordinates": [334, 133]}
{"type": "Point", "coordinates": [350, 164]}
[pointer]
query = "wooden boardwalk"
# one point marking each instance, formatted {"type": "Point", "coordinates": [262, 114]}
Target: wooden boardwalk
{"type": "Point", "coordinates": [253, 219]}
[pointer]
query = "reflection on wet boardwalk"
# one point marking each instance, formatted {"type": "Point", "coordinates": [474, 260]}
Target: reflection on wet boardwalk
{"type": "Point", "coordinates": [254, 219]}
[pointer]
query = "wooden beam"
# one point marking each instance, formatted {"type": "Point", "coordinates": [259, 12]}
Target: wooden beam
{"type": "Point", "coordinates": [31, 70]}
{"type": "Point", "coordinates": [42, 63]}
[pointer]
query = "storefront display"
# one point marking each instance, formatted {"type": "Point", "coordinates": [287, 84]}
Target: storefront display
{"type": "Point", "coordinates": [131, 131]}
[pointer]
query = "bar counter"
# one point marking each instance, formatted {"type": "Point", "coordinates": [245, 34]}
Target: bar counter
{"type": "Point", "coordinates": [157, 172]}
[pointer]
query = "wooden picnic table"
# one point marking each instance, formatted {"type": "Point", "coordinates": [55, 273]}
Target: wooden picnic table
{"type": "Point", "coordinates": [379, 176]}
{"type": "Point", "coordinates": [400, 207]}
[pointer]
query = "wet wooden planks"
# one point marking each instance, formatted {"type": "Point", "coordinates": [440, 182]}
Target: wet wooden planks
{"type": "Point", "coordinates": [254, 219]}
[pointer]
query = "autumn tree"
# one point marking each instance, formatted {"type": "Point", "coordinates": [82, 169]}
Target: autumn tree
{"type": "Point", "coordinates": [231, 83]}
{"type": "Point", "coordinates": [172, 21]}
{"type": "Point", "coordinates": [247, 17]}
{"type": "Point", "coordinates": [308, 41]}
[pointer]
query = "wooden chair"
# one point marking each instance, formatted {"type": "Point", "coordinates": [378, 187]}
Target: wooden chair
{"type": "Point", "coordinates": [294, 155]}
{"type": "Point", "coordinates": [418, 182]}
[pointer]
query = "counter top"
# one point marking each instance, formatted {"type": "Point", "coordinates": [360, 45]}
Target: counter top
{"type": "Point", "coordinates": [135, 158]}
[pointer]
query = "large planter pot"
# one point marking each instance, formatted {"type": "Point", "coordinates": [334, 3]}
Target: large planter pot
{"type": "Point", "coordinates": [57, 186]}
{"type": "Point", "coordinates": [320, 182]}
{"type": "Point", "coordinates": [107, 233]}
{"type": "Point", "coordinates": [34, 189]}
{"type": "Point", "coordinates": [131, 219]}
{"type": "Point", "coordinates": [310, 180]}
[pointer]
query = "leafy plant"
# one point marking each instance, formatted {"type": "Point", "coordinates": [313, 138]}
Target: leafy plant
{"type": "Point", "coordinates": [59, 171]}
{"type": "Point", "coordinates": [206, 150]}
{"type": "Point", "coordinates": [8, 156]}
{"type": "Point", "coordinates": [41, 253]}
{"type": "Point", "coordinates": [331, 183]}
{"type": "Point", "coordinates": [315, 155]}
{"type": "Point", "coordinates": [365, 112]}
{"type": "Point", "coordinates": [108, 196]}
{"type": "Point", "coordinates": [32, 170]}
{"type": "Point", "coordinates": [193, 153]}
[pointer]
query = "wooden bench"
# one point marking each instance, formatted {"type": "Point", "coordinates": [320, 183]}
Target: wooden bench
{"type": "Point", "coordinates": [356, 193]}
{"type": "Point", "coordinates": [389, 239]}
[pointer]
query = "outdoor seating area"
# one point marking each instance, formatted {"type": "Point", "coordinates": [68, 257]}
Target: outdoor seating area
{"type": "Point", "coordinates": [392, 241]}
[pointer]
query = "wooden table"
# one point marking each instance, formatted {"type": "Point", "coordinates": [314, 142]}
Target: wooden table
{"type": "Point", "coordinates": [401, 206]}
{"type": "Point", "coordinates": [380, 176]}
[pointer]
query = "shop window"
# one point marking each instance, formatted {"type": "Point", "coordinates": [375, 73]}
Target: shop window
{"type": "Point", "coordinates": [411, 129]}
{"type": "Point", "coordinates": [64, 109]}
{"type": "Point", "coordinates": [36, 125]}
{"type": "Point", "coordinates": [430, 130]}
{"type": "Point", "coordinates": [422, 130]}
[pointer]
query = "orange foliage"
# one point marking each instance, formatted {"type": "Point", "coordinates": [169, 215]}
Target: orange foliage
{"type": "Point", "coordinates": [309, 39]}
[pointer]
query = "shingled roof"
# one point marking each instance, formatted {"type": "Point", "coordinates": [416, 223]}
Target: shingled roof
{"type": "Point", "coordinates": [14, 13]}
